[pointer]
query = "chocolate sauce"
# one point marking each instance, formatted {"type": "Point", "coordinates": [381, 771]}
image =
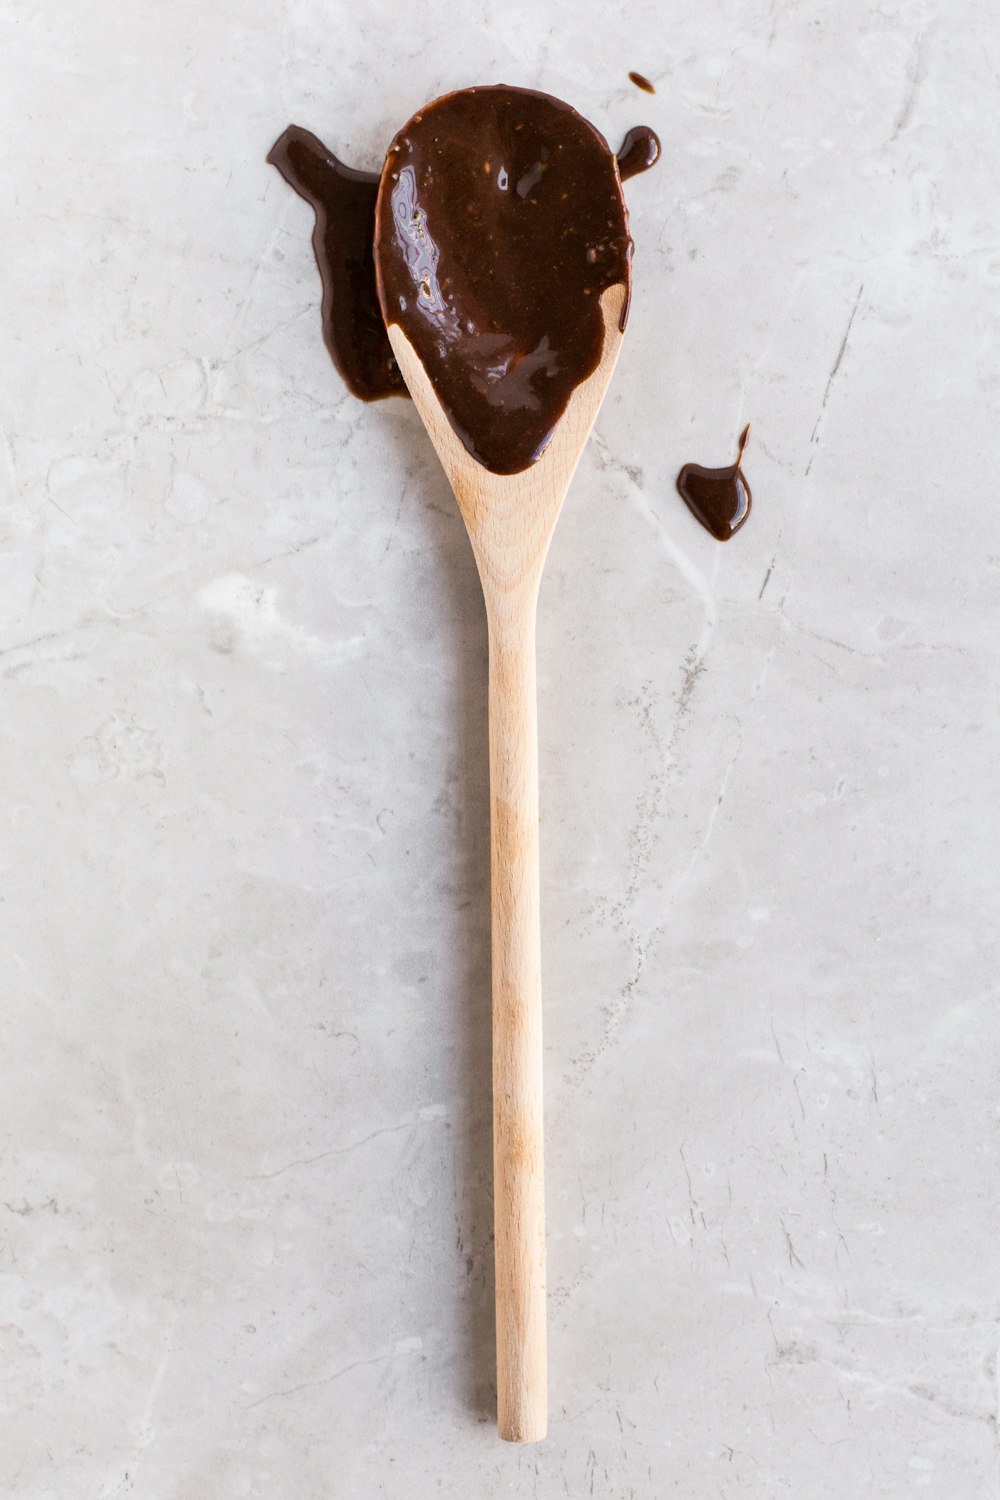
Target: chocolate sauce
{"type": "Point", "coordinates": [344, 202]}
{"type": "Point", "coordinates": [639, 151]}
{"type": "Point", "coordinates": [511, 316]}
{"type": "Point", "coordinates": [642, 83]}
{"type": "Point", "coordinates": [500, 222]}
{"type": "Point", "coordinates": [719, 498]}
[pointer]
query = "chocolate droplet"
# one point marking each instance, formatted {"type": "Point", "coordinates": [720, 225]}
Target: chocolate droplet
{"type": "Point", "coordinates": [638, 152]}
{"type": "Point", "coordinates": [719, 498]}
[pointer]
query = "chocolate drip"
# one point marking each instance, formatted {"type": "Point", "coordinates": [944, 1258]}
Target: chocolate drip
{"type": "Point", "coordinates": [719, 498]}
{"type": "Point", "coordinates": [344, 203]}
{"type": "Point", "coordinates": [641, 82]}
{"type": "Point", "coordinates": [500, 222]}
{"type": "Point", "coordinates": [638, 152]}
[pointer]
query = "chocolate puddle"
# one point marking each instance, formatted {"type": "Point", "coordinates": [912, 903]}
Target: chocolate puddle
{"type": "Point", "coordinates": [642, 82]}
{"type": "Point", "coordinates": [719, 498]}
{"type": "Point", "coordinates": [344, 203]}
{"type": "Point", "coordinates": [639, 151]}
{"type": "Point", "coordinates": [507, 310]}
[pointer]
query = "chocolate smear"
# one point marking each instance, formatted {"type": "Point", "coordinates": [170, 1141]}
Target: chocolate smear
{"type": "Point", "coordinates": [642, 82]}
{"type": "Point", "coordinates": [344, 203]}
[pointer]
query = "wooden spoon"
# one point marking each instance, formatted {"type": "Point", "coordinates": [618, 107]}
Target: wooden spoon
{"type": "Point", "coordinates": [510, 519]}
{"type": "Point", "coordinates": [502, 259]}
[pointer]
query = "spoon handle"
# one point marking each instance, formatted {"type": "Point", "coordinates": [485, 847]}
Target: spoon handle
{"type": "Point", "coordinates": [518, 1178]}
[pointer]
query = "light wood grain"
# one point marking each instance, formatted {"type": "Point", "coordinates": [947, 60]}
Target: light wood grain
{"type": "Point", "coordinates": [510, 520]}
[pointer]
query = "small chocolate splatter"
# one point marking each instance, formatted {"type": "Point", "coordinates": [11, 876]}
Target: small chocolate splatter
{"type": "Point", "coordinates": [719, 498]}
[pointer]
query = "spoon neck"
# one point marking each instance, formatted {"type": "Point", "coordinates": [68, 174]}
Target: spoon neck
{"type": "Point", "coordinates": [511, 613]}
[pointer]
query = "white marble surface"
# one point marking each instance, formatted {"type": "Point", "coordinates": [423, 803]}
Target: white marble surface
{"type": "Point", "coordinates": [245, 1220]}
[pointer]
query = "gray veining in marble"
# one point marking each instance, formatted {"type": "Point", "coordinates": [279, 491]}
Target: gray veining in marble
{"type": "Point", "coordinates": [245, 1199]}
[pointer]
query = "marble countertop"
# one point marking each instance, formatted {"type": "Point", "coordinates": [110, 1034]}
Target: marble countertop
{"type": "Point", "coordinates": [245, 1209]}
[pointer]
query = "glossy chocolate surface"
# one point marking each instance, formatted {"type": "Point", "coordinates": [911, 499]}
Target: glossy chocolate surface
{"type": "Point", "coordinates": [344, 203]}
{"type": "Point", "coordinates": [639, 151]}
{"type": "Point", "coordinates": [542, 378]}
{"type": "Point", "coordinates": [500, 222]}
{"type": "Point", "coordinates": [719, 498]}
{"type": "Point", "coordinates": [642, 82]}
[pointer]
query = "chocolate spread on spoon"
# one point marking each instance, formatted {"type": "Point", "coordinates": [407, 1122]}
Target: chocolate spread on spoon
{"type": "Point", "coordinates": [719, 498]}
{"type": "Point", "coordinates": [545, 143]}
{"type": "Point", "coordinates": [500, 222]}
